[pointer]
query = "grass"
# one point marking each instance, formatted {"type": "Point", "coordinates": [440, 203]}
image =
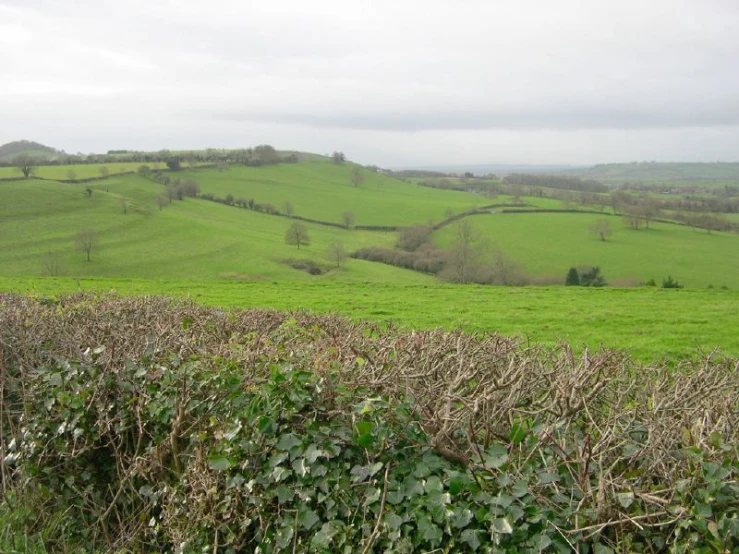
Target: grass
{"type": "Point", "coordinates": [82, 171]}
{"type": "Point", "coordinates": [650, 324]}
{"type": "Point", "coordinates": [194, 239]}
{"type": "Point", "coordinates": [548, 244]}
{"type": "Point", "coordinates": [323, 191]}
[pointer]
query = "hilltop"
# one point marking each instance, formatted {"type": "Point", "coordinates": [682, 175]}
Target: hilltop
{"type": "Point", "coordinates": [30, 148]}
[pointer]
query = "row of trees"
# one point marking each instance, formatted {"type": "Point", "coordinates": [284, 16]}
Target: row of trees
{"type": "Point", "coordinates": [263, 154]}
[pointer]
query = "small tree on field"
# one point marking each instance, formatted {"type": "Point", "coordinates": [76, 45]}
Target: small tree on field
{"type": "Point", "coordinates": [71, 175]}
{"type": "Point", "coordinates": [288, 209]}
{"type": "Point", "coordinates": [348, 219]}
{"type": "Point", "coordinates": [357, 176]}
{"type": "Point", "coordinates": [174, 164]}
{"type": "Point", "coordinates": [601, 228]}
{"type": "Point", "coordinates": [591, 277]}
{"type": "Point", "coordinates": [162, 202]}
{"type": "Point", "coordinates": [297, 234]}
{"type": "Point", "coordinates": [25, 164]}
{"type": "Point", "coordinates": [104, 171]}
{"type": "Point", "coordinates": [124, 205]}
{"type": "Point", "coordinates": [336, 253]}
{"type": "Point", "coordinates": [86, 241]}
{"type": "Point", "coordinates": [573, 279]}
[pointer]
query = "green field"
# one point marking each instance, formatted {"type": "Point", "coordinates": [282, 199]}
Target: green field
{"type": "Point", "coordinates": [81, 171]}
{"type": "Point", "coordinates": [548, 244]}
{"type": "Point", "coordinates": [193, 239]}
{"type": "Point", "coordinates": [227, 256]}
{"type": "Point", "coordinates": [650, 324]}
{"type": "Point", "coordinates": [323, 191]}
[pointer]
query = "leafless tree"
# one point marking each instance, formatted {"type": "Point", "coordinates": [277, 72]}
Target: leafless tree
{"type": "Point", "coordinates": [338, 158]}
{"type": "Point", "coordinates": [104, 171]}
{"type": "Point", "coordinates": [162, 202]}
{"type": "Point", "coordinates": [357, 176]}
{"type": "Point", "coordinates": [52, 263]}
{"type": "Point", "coordinates": [124, 205]}
{"type": "Point", "coordinates": [601, 228]}
{"type": "Point", "coordinates": [337, 253]}
{"type": "Point", "coordinates": [288, 209]}
{"type": "Point", "coordinates": [348, 219]}
{"type": "Point", "coordinates": [87, 241]}
{"type": "Point", "coordinates": [72, 175]}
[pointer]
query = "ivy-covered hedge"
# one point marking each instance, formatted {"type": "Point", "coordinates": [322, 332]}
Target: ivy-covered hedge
{"type": "Point", "coordinates": [141, 425]}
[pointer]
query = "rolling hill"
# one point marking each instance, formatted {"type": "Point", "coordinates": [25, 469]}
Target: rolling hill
{"type": "Point", "coordinates": [11, 150]}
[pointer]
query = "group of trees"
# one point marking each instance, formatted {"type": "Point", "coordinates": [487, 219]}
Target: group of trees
{"type": "Point", "coordinates": [263, 154]}
{"type": "Point", "coordinates": [585, 276]}
{"type": "Point", "coordinates": [297, 235]}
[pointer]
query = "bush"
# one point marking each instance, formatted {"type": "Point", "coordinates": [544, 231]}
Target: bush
{"type": "Point", "coordinates": [650, 283]}
{"type": "Point", "coordinates": [245, 430]}
{"type": "Point", "coordinates": [573, 279]}
{"type": "Point", "coordinates": [670, 283]}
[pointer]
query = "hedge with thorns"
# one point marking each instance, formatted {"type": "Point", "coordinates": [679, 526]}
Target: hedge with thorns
{"type": "Point", "coordinates": [150, 424]}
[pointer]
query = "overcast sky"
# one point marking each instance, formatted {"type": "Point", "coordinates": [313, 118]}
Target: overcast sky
{"type": "Point", "coordinates": [389, 82]}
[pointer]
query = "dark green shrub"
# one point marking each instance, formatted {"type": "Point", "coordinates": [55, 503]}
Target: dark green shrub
{"type": "Point", "coordinates": [670, 283]}
{"type": "Point", "coordinates": [573, 279]}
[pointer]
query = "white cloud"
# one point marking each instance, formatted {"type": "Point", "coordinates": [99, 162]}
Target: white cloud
{"type": "Point", "coordinates": [387, 81]}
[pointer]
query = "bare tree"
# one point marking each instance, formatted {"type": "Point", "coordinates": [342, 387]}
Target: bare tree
{"type": "Point", "coordinates": [348, 219]}
{"type": "Point", "coordinates": [104, 171]}
{"type": "Point", "coordinates": [87, 241]}
{"type": "Point", "coordinates": [124, 205]}
{"type": "Point", "coordinates": [297, 234]}
{"type": "Point", "coordinates": [464, 257]}
{"type": "Point", "coordinates": [52, 263]}
{"type": "Point", "coordinates": [162, 202]}
{"type": "Point", "coordinates": [336, 252]}
{"type": "Point", "coordinates": [288, 209]}
{"type": "Point", "coordinates": [71, 175]}
{"type": "Point", "coordinates": [357, 176]}
{"type": "Point", "coordinates": [601, 228]}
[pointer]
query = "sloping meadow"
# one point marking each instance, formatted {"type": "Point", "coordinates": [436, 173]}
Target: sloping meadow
{"type": "Point", "coordinates": [147, 424]}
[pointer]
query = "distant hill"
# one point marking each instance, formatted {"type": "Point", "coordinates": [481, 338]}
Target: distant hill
{"type": "Point", "coordinates": [655, 172]}
{"type": "Point", "coordinates": [34, 149]}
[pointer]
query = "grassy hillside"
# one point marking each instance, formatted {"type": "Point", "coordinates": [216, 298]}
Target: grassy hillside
{"type": "Point", "coordinates": [322, 190]}
{"type": "Point", "coordinates": [189, 239]}
{"type": "Point", "coordinates": [11, 150]}
{"type": "Point", "coordinates": [548, 244]}
{"type": "Point", "coordinates": [81, 171]}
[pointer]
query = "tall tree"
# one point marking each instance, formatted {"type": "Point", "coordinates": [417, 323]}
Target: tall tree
{"type": "Point", "coordinates": [336, 253]}
{"type": "Point", "coordinates": [357, 176]}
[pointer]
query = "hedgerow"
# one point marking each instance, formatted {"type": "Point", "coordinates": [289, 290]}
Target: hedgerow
{"type": "Point", "coordinates": [151, 425]}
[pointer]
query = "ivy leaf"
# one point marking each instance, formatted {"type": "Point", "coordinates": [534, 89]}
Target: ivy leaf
{"type": "Point", "coordinates": [540, 542]}
{"type": "Point", "coordinates": [496, 456]}
{"type": "Point", "coordinates": [461, 518]}
{"type": "Point", "coordinates": [308, 518]}
{"type": "Point", "coordinates": [393, 521]}
{"type": "Point", "coordinates": [312, 453]}
{"type": "Point", "coordinates": [300, 468]}
{"type": "Point", "coordinates": [625, 499]}
{"type": "Point", "coordinates": [599, 548]}
{"type": "Point", "coordinates": [363, 433]}
{"type": "Point", "coordinates": [284, 494]}
{"type": "Point", "coordinates": [502, 526]}
{"type": "Point", "coordinates": [220, 463]}
{"type": "Point", "coordinates": [471, 538]}
{"type": "Point", "coordinates": [288, 442]}
{"type": "Point", "coordinates": [429, 531]}
{"type": "Point", "coordinates": [362, 473]}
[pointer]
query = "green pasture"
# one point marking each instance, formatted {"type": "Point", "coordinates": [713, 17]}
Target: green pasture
{"type": "Point", "coordinates": [649, 324]}
{"type": "Point", "coordinates": [323, 191]}
{"type": "Point", "coordinates": [193, 239]}
{"type": "Point", "coordinates": [548, 244]}
{"type": "Point", "coordinates": [81, 171]}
